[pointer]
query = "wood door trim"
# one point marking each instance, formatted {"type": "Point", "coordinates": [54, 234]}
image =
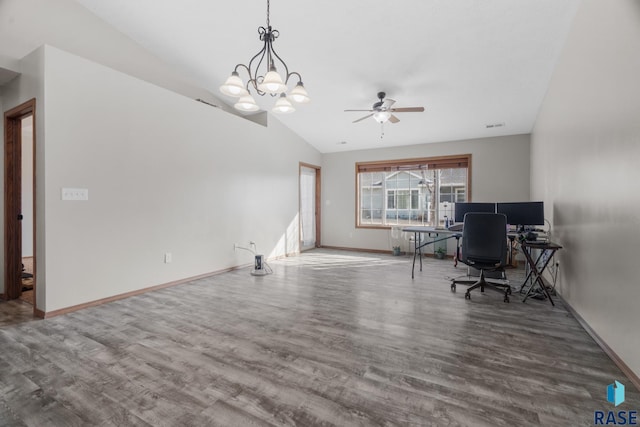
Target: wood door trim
{"type": "Point", "coordinates": [12, 197]}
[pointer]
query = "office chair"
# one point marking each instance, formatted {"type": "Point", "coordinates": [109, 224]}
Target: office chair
{"type": "Point", "coordinates": [484, 247]}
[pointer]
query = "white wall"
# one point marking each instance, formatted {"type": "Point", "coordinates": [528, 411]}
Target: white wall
{"type": "Point", "coordinates": [500, 172]}
{"type": "Point", "coordinates": [165, 174]}
{"type": "Point", "coordinates": [585, 148]}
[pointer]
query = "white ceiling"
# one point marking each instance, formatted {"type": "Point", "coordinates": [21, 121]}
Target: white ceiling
{"type": "Point", "coordinates": [468, 62]}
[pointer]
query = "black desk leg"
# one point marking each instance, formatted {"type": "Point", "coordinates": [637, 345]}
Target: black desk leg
{"type": "Point", "coordinates": [538, 276]}
{"type": "Point", "coordinates": [529, 260]}
{"type": "Point", "coordinates": [420, 249]}
{"type": "Point", "coordinates": [511, 239]}
{"type": "Point", "coordinates": [541, 281]}
{"type": "Point", "coordinates": [415, 251]}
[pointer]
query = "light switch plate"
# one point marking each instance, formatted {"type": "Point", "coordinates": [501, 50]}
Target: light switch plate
{"type": "Point", "coordinates": [75, 194]}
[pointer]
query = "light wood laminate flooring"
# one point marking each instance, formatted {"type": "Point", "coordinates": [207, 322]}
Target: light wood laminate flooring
{"type": "Point", "coordinates": [330, 338]}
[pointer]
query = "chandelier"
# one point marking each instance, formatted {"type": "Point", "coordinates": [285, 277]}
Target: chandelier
{"type": "Point", "coordinates": [264, 78]}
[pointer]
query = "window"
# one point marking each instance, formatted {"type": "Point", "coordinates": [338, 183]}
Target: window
{"type": "Point", "coordinates": [391, 199]}
{"type": "Point", "coordinates": [403, 199]}
{"type": "Point", "coordinates": [411, 192]}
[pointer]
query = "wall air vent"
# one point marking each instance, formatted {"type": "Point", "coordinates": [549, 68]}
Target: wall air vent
{"type": "Point", "coordinates": [208, 103]}
{"type": "Point", "coordinates": [494, 125]}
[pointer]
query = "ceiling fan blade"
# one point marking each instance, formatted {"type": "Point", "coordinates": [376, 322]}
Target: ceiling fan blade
{"type": "Point", "coordinates": [388, 103]}
{"type": "Point", "coordinates": [362, 118]}
{"type": "Point", "coordinates": [393, 119]}
{"type": "Point", "coordinates": [407, 110]}
{"type": "Point", "coordinates": [360, 110]}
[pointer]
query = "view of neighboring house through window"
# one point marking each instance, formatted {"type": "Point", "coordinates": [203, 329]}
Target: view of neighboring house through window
{"type": "Point", "coordinates": [411, 192]}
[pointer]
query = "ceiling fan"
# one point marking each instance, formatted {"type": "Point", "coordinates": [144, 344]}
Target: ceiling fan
{"type": "Point", "coordinates": [382, 111]}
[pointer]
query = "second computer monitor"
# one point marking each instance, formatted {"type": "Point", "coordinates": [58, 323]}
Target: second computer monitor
{"type": "Point", "coordinates": [523, 213]}
{"type": "Point", "coordinates": [463, 208]}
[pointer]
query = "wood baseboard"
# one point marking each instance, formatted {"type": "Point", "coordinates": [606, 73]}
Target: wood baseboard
{"type": "Point", "coordinates": [45, 315]}
{"type": "Point", "coordinates": [633, 377]}
{"type": "Point", "coordinates": [66, 310]}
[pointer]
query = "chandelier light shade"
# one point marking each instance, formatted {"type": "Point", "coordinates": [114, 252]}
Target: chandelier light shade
{"type": "Point", "coordinates": [234, 86]}
{"type": "Point", "coordinates": [263, 77]}
{"type": "Point", "coordinates": [299, 94]}
{"type": "Point", "coordinates": [246, 103]}
{"type": "Point", "coordinates": [283, 105]}
{"type": "Point", "coordinates": [272, 82]}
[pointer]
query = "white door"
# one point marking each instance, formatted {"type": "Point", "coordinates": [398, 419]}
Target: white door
{"type": "Point", "coordinates": [307, 208]}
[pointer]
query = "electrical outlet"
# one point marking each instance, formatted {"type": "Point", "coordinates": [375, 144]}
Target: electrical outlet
{"type": "Point", "coordinates": [167, 258]}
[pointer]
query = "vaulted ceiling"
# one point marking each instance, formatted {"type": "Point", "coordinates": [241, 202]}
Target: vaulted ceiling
{"type": "Point", "coordinates": [471, 63]}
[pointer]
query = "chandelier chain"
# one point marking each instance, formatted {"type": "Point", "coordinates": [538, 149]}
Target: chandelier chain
{"type": "Point", "coordinates": [268, 21]}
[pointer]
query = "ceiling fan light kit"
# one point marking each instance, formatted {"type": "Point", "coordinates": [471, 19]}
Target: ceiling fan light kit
{"type": "Point", "coordinates": [381, 116]}
{"type": "Point", "coordinates": [269, 82]}
{"type": "Point", "coordinates": [382, 112]}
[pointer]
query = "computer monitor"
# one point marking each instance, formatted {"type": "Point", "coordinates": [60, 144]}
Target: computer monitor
{"type": "Point", "coordinates": [523, 213]}
{"type": "Point", "coordinates": [463, 208]}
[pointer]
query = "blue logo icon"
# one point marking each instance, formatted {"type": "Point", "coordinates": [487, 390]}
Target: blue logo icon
{"type": "Point", "coordinates": [615, 393]}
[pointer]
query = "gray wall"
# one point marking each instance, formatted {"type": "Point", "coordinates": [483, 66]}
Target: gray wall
{"type": "Point", "coordinates": [584, 150]}
{"type": "Point", "coordinates": [165, 174]}
{"type": "Point", "coordinates": [500, 172]}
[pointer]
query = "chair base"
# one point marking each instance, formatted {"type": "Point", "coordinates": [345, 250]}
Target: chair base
{"type": "Point", "coordinates": [482, 283]}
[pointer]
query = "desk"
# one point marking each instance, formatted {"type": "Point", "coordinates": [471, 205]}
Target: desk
{"type": "Point", "coordinates": [547, 249]}
{"type": "Point", "coordinates": [430, 231]}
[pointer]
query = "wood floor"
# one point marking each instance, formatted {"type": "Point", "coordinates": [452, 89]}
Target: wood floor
{"type": "Point", "coordinates": [331, 338]}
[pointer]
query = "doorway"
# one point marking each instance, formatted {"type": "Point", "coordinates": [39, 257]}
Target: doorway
{"type": "Point", "coordinates": [19, 200]}
{"type": "Point", "coordinates": [309, 209]}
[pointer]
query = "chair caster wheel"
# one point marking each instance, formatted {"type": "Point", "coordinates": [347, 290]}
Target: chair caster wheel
{"type": "Point", "coordinates": [467, 296]}
{"type": "Point", "coordinates": [453, 287]}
